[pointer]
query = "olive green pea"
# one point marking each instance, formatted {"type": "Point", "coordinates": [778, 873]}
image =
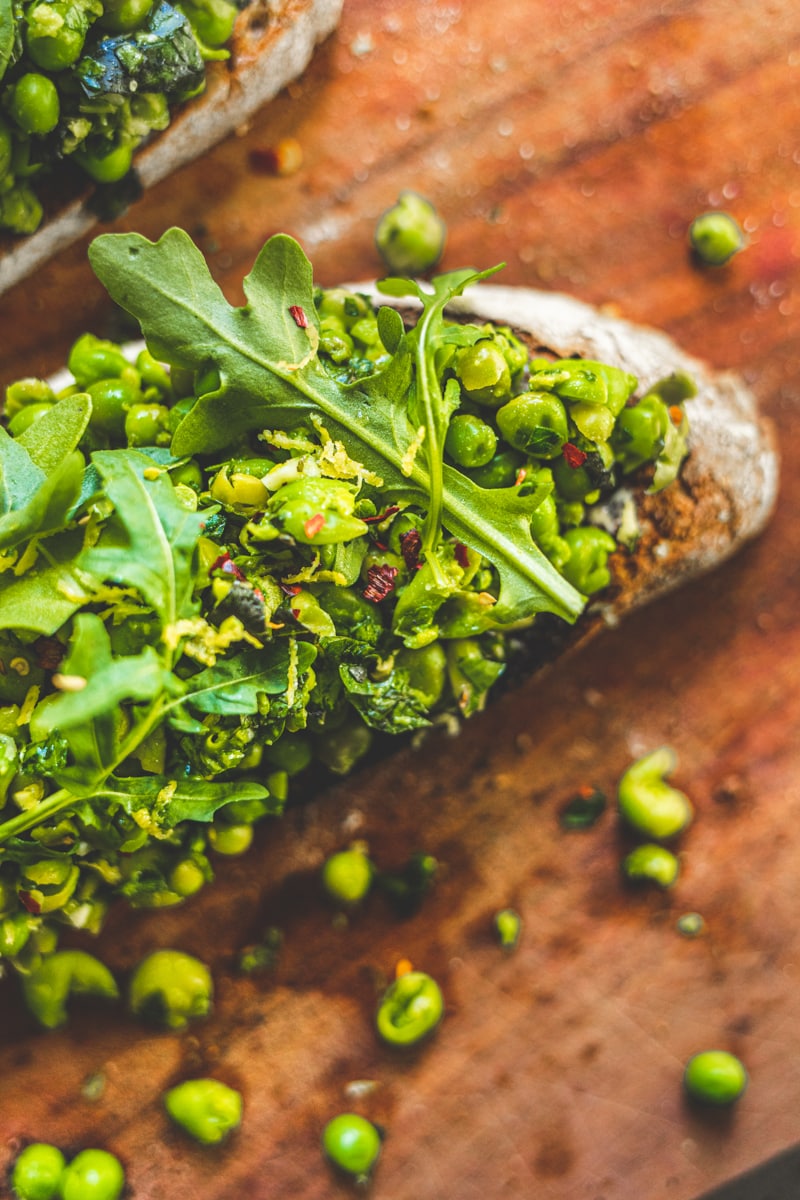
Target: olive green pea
{"type": "Point", "coordinates": [640, 432]}
{"type": "Point", "coordinates": [347, 876]}
{"type": "Point", "coordinates": [230, 840]}
{"type": "Point", "coordinates": [352, 1143]}
{"type": "Point", "coordinates": [37, 1172]}
{"type": "Point", "coordinates": [426, 669]}
{"type": "Point", "coordinates": [341, 749]}
{"type": "Point", "coordinates": [410, 1009]}
{"type": "Point", "coordinates": [410, 236]}
{"type": "Point", "coordinates": [34, 103]}
{"type": "Point", "coordinates": [715, 1077]}
{"type": "Point", "coordinates": [651, 863]}
{"type": "Point", "coordinates": [93, 1175]}
{"type": "Point", "coordinates": [20, 209]}
{"type": "Point", "coordinates": [171, 988]}
{"type": "Point", "coordinates": [508, 925]}
{"type": "Point", "coordinates": [715, 237]}
{"type": "Point", "coordinates": [469, 441]}
{"type": "Point", "coordinates": [291, 753]}
{"type": "Point", "coordinates": [153, 373]}
{"type": "Point", "coordinates": [61, 975]}
{"type": "Point", "coordinates": [587, 566]}
{"type": "Point", "coordinates": [189, 474]}
{"type": "Point", "coordinates": [484, 373]}
{"type": "Point", "coordinates": [535, 422]}
{"type": "Point", "coordinates": [27, 391]}
{"type": "Point", "coordinates": [6, 148]}
{"type": "Point", "coordinates": [648, 803]}
{"type": "Point", "coordinates": [205, 1108]}
{"type": "Point", "coordinates": [92, 359]}
{"type": "Point", "coordinates": [146, 425]}
{"type": "Point", "coordinates": [187, 878]}
{"type": "Point", "coordinates": [111, 399]}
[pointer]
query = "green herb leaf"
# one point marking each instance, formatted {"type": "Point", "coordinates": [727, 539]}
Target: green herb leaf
{"type": "Point", "coordinates": [46, 596]}
{"type": "Point", "coordinates": [234, 683]}
{"type": "Point", "coordinates": [6, 34]}
{"type": "Point", "coordinates": [133, 677]}
{"type": "Point", "coordinates": [33, 501]}
{"type": "Point", "coordinates": [169, 801]}
{"type": "Point", "coordinates": [55, 435]}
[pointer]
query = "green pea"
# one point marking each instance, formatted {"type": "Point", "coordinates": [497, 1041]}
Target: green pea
{"type": "Point", "coordinates": [146, 425]}
{"type": "Point", "coordinates": [34, 103]}
{"type": "Point", "coordinates": [108, 166]}
{"type": "Point", "coordinates": [20, 209]}
{"type": "Point", "coordinates": [6, 148]}
{"type": "Point", "coordinates": [111, 399]}
{"type": "Point", "coordinates": [587, 566]}
{"type": "Point", "coordinates": [26, 417]}
{"type": "Point", "coordinates": [189, 474]}
{"type": "Point", "coordinates": [410, 1009]}
{"type": "Point", "coordinates": [648, 803]}
{"type": "Point", "coordinates": [37, 1172]}
{"type": "Point", "coordinates": [15, 930]}
{"type": "Point", "coordinates": [484, 373]}
{"type": "Point", "coordinates": [55, 34]}
{"type": "Point", "coordinates": [347, 876]}
{"type": "Point", "coordinates": [352, 1143]}
{"type": "Point", "coordinates": [239, 490]}
{"type": "Point", "coordinates": [123, 16]}
{"type": "Point", "coordinates": [93, 1175]}
{"type": "Point", "coordinates": [27, 391]}
{"type": "Point", "coordinates": [535, 422]}
{"type": "Point", "coordinates": [426, 670]}
{"type": "Point", "coordinates": [205, 1108]}
{"type": "Point", "coordinates": [501, 471]}
{"type": "Point", "coordinates": [291, 753]}
{"type": "Point", "coordinates": [153, 373]}
{"type": "Point", "coordinates": [171, 988]}
{"type": "Point", "coordinates": [508, 925]}
{"type": "Point", "coordinates": [61, 975]}
{"type": "Point", "coordinates": [341, 749]}
{"type": "Point", "coordinates": [410, 236]}
{"type": "Point", "coordinates": [212, 20]}
{"type": "Point", "coordinates": [470, 442]}
{"type": "Point", "coordinates": [715, 237]}
{"type": "Point", "coordinates": [49, 883]}
{"type": "Point", "coordinates": [640, 432]}
{"type": "Point", "coordinates": [187, 878]}
{"type": "Point", "coordinates": [652, 863]}
{"type": "Point", "coordinates": [317, 512]}
{"type": "Point", "coordinates": [92, 359]}
{"type": "Point", "coordinates": [715, 1076]}
{"type": "Point", "coordinates": [230, 840]}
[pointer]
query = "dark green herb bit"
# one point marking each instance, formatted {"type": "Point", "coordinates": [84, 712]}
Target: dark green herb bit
{"type": "Point", "coordinates": [408, 887]}
{"type": "Point", "coordinates": [715, 237]}
{"type": "Point", "coordinates": [263, 955]}
{"type": "Point", "coordinates": [584, 809]}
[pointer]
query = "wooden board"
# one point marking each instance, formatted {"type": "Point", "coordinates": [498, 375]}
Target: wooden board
{"type": "Point", "coordinates": [575, 142]}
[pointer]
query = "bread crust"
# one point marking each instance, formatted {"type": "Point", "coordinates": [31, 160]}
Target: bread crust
{"type": "Point", "coordinates": [728, 484]}
{"type": "Point", "coordinates": [272, 44]}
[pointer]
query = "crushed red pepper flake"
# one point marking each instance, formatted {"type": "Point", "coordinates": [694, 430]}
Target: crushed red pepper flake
{"type": "Point", "coordinates": [675, 414]}
{"type": "Point", "coordinates": [382, 516]}
{"type": "Point", "coordinates": [299, 316]}
{"type": "Point", "coordinates": [296, 613]}
{"type": "Point", "coordinates": [30, 903]}
{"type": "Point", "coordinates": [291, 589]}
{"type": "Point", "coordinates": [522, 475]}
{"type": "Point", "coordinates": [380, 582]}
{"type": "Point", "coordinates": [314, 525]}
{"type": "Point", "coordinates": [462, 555]}
{"type": "Point", "coordinates": [410, 546]}
{"type": "Point", "coordinates": [573, 456]}
{"type": "Point", "coordinates": [225, 563]}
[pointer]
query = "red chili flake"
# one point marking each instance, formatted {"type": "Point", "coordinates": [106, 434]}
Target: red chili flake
{"type": "Point", "coordinates": [380, 582]}
{"type": "Point", "coordinates": [225, 563]}
{"type": "Point", "coordinates": [522, 475]}
{"type": "Point", "coordinates": [462, 555]}
{"type": "Point", "coordinates": [573, 457]}
{"type": "Point", "coordinates": [313, 525]}
{"type": "Point", "coordinates": [410, 546]}
{"type": "Point", "coordinates": [291, 589]}
{"type": "Point", "coordinates": [387, 512]}
{"type": "Point", "coordinates": [295, 613]}
{"type": "Point", "coordinates": [29, 903]}
{"type": "Point", "coordinates": [49, 653]}
{"type": "Point", "coordinates": [675, 414]}
{"type": "Point", "coordinates": [299, 316]}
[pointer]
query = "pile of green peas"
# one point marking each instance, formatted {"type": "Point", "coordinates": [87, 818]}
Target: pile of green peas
{"type": "Point", "coordinates": [48, 113]}
{"type": "Point", "coordinates": [41, 1172]}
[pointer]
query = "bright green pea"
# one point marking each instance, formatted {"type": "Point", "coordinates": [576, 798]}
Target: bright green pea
{"type": "Point", "coordinates": [187, 878]}
{"type": "Point", "coordinates": [640, 432]}
{"type": "Point", "coordinates": [410, 236]}
{"type": "Point", "coordinates": [111, 399]}
{"type": "Point", "coordinates": [93, 1175]}
{"type": "Point", "coordinates": [92, 358]}
{"type": "Point", "coordinates": [146, 425]}
{"type": "Point", "coordinates": [27, 391]}
{"type": "Point", "coordinates": [410, 1009]}
{"type": "Point", "coordinates": [715, 1076]}
{"type": "Point", "coordinates": [508, 925]}
{"type": "Point", "coordinates": [153, 373]}
{"type": "Point", "coordinates": [15, 930]}
{"type": "Point", "coordinates": [535, 422]}
{"type": "Point", "coordinates": [109, 166]}
{"type": "Point", "coordinates": [347, 876]}
{"type": "Point", "coordinates": [61, 975]}
{"type": "Point", "coordinates": [212, 20]}
{"type": "Point", "coordinates": [34, 103]}
{"type": "Point", "coordinates": [715, 237]}
{"type": "Point", "coordinates": [26, 417]}
{"type": "Point", "coordinates": [352, 1143]}
{"type": "Point", "coordinates": [37, 1172]}
{"type": "Point", "coordinates": [648, 803]}
{"type": "Point", "coordinates": [470, 442]}
{"type": "Point", "coordinates": [587, 566]}
{"type": "Point", "coordinates": [230, 840]}
{"type": "Point", "coordinates": [49, 883]}
{"type": "Point", "coordinates": [123, 16]}
{"type": "Point", "coordinates": [652, 863]}
{"type": "Point", "coordinates": [317, 512]}
{"type": "Point", "coordinates": [484, 373]}
{"type": "Point", "coordinates": [501, 471]}
{"type": "Point", "coordinates": [207, 1109]}
{"type": "Point", "coordinates": [171, 988]}
{"type": "Point", "coordinates": [55, 34]}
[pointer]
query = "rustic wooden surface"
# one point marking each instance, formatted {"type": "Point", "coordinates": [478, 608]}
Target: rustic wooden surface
{"type": "Point", "coordinates": [575, 142]}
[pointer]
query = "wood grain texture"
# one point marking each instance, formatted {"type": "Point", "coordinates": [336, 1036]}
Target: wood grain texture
{"type": "Point", "coordinates": [575, 142]}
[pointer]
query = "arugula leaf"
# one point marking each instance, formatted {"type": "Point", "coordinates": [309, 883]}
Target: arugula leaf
{"type": "Point", "coordinates": [132, 677]}
{"type": "Point", "coordinates": [149, 542]}
{"type": "Point", "coordinates": [6, 34]}
{"type": "Point", "coordinates": [49, 440]}
{"type": "Point", "coordinates": [390, 705]}
{"type": "Point", "coordinates": [32, 501]}
{"type": "Point", "coordinates": [269, 375]}
{"type": "Point", "coordinates": [46, 596]}
{"type": "Point", "coordinates": [169, 801]}
{"type": "Point", "coordinates": [92, 741]}
{"type": "Point", "coordinates": [234, 683]}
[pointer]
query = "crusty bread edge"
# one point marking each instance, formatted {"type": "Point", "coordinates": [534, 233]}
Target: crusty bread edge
{"type": "Point", "coordinates": [272, 45]}
{"type": "Point", "coordinates": [727, 486]}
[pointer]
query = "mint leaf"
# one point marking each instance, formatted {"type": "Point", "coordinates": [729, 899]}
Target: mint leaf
{"type": "Point", "coordinates": [269, 375]}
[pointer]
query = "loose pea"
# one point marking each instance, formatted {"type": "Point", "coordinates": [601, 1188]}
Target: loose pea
{"type": "Point", "coordinates": [410, 1009]}
{"type": "Point", "coordinates": [60, 976]}
{"type": "Point", "coordinates": [34, 103]}
{"type": "Point", "coordinates": [715, 1076]}
{"type": "Point", "coordinates": [470, 442]}
{"type": "Point", "coordinates": [352, 1143]}
{"type": "Point", "coordinates": [508, 925]}
{"type": "Point", "coordinates": [587, 566]}
{"type": "Point", "coordinates": [207, 1109]}
{"type": "Point", "coordinates": [715, 237]}
{"type": "Point", "coordinates": [535, 422]}
{"type": "Point", "coordinates": [20, 209]}
{"type": "Point", "coordinates": [410, 236]}
{"type": "Point", "coordinates": [93, 1175]}
{"type": "Point", "coordinates": [653, 863]}
{"type": "Point", "coordinates": [648, 803]}
{"type": "Point", "coordinates": [484, 373]}
{"type": "Point", "coordinates": [171, 988]}
{"type": "Point", "coordinates": [37, 1172]}
{"type": "Point", "coordinates": [347, 876]}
